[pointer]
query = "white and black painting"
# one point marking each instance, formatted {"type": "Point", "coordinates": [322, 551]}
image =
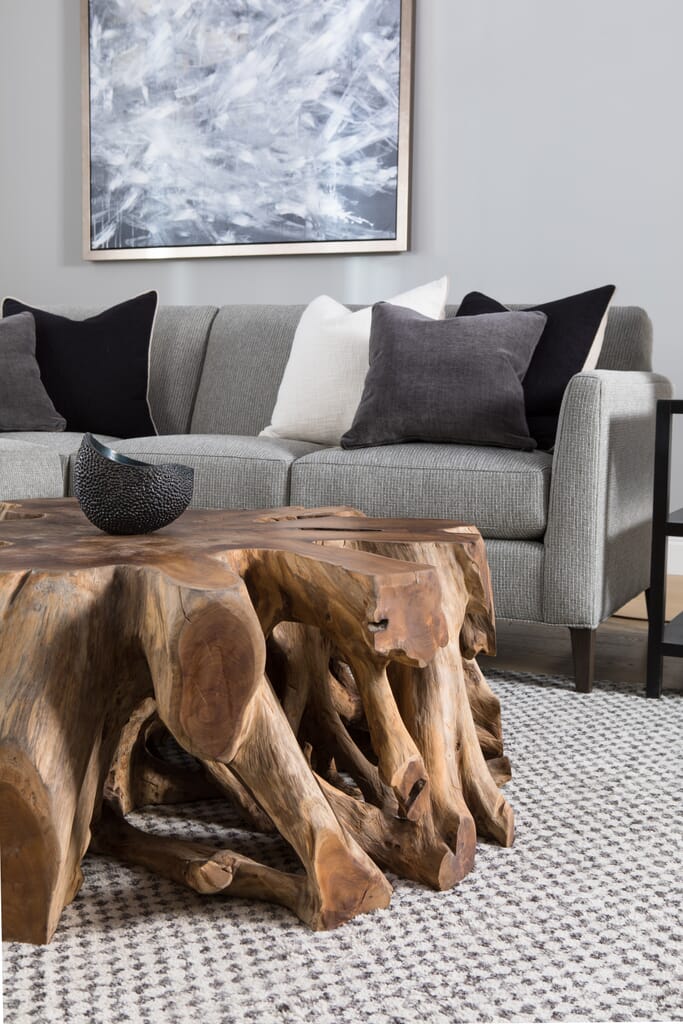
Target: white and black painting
{"type": "Point", "coordinates": [247, 125]}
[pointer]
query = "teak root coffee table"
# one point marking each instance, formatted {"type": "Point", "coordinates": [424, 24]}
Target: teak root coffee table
{"type": "Point", "coordinates": [318, 664]}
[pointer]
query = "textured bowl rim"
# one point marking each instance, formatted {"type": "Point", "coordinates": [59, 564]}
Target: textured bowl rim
{"type": "Point", "coordinates": [111, 455]}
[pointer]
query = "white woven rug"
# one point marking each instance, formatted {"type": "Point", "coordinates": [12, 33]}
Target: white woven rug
{"type": "Point", "coordinates": [581, 920]}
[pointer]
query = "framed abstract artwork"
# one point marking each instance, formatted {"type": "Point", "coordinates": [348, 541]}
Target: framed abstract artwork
{"type": "Point", "coordinates": [245, 127]}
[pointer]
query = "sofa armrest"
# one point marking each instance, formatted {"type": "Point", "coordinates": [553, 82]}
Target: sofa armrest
{"type": "Point", "coordinates": [597, 541]}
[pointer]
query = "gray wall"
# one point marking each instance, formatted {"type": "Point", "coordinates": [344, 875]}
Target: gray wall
{"type": "Point", "coordinates": [548, 158]}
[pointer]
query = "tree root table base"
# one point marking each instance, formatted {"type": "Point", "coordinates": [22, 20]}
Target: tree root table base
{"type": "Point", "coordinates": [318, 664]}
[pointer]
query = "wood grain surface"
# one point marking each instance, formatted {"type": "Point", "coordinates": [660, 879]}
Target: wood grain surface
{"type": "Point", "coordinates": [318, 664]}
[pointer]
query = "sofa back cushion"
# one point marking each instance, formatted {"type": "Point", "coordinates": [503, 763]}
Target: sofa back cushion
{"type": "Point", "coordinates": [176, 357]}
{"type": "Point", "coordinates": [246, 356]}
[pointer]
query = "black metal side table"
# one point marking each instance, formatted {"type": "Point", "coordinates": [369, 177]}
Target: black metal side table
{"type": "Point", "coordinates": [663, 639]}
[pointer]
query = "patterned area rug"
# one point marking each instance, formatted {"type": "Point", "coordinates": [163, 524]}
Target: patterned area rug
{"type": "Point", "coordinates": [581, 920]}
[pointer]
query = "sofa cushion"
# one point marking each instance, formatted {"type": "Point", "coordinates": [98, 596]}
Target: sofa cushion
{"type": "Point", "coordinates": [24, 402]}
{"type": "Point", "coordinates": [229, 471]}
{"type": "Point", "coordinates": [502, 492]}
{"type": "Point", "coordinates": [246, 356]}
{"type": "Point", "coordinates": [176, 359]}
{"type": "Point", "coordinates": [29, 470]}
{"type": "Point", "coordinates": [63, 445]}
{"type": "Point", "coordinates": [446, 381]}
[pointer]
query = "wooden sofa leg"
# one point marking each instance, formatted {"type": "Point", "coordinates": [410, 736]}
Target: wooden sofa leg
{"type": "Point", "coordinates": [583, 653]}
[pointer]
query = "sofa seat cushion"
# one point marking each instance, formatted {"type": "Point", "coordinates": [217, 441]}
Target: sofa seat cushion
{"type": "Point", "coordinates": [29, 470]}
{"type": "Point", "coordinates": [230, 471]}
{"type": "Point", "coordinates": [63, 444]}
{"type": "Point", "coordinates": [502, 492]}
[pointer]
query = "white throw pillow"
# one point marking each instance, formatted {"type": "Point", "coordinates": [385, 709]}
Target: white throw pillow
{"type": "Point", "coordinates": [323, 380]}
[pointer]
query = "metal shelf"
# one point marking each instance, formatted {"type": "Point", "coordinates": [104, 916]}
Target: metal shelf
{"type": "Point", "coordinates": [662, 640]}
{"type": "Point", "coordinates": [672, 640]}
{"type": "Point", "coordinates": [674, 524]}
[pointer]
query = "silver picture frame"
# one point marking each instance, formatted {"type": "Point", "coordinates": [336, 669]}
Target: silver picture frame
{"type": "Point", "coordinates": [217, 128]}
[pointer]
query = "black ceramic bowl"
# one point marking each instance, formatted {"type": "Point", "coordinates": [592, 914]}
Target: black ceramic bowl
{"type": "Point", "coordinates": [122, 495]}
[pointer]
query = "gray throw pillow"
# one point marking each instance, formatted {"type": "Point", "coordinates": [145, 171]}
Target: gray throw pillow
{"type": "Point", "coordinates": [24, 402]}
{"type": "Point", "coordinates": [456, 380]}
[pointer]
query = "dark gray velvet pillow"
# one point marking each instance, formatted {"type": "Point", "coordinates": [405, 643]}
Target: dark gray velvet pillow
{"type": "Point", "coordinates": [24, 402]}
{"type": "Point", "coordinates": [456, 380]}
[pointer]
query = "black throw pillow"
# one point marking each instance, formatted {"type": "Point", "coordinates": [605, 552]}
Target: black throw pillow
{"type": "Point", "coordinates": [456, 380]}
{"type": "Point", "coordinates": [24, 402]}
{"type": "Point", "coordinates": [96, 370]}
{"type": "Point", "coordinates": [574, 325]}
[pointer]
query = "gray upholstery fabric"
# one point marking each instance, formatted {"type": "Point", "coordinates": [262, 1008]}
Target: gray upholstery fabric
{"type": "Point", "coordinates": [245, 359]}
{"type": "Point", "coordinates": [176, 360]}
{"type": "Point", "coordinates": [24, 402]}
{"type": "Point", "coordinates": [503, 492]}
{"type": "Point", "coordinates": [29, 471]}
{"type": "Point", "coordinates": [628, 340]}
{"type": "Point", "coordinates": [457, 380]}
{"type": "Point", "coordinates": [517, 578]}
{"type": "Point", "coordinates": [599, 517]}
{"type": "Point", "coordinates": [628, 337]}
{"type": "Point", "coordinates": [230, 472]}
{"type": "Point", "coordinates": [236, 376]}
{"type": "Point", "coordinates": [64, 444]}
{"type": "Point", "coordinates": [595, 551]}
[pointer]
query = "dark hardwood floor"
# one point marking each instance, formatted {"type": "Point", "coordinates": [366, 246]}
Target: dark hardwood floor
{"type": "Point", "coordinates": [620, 654]}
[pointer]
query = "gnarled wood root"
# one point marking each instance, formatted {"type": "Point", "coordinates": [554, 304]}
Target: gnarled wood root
{"type": "Point", "coordinates": [378, 742]}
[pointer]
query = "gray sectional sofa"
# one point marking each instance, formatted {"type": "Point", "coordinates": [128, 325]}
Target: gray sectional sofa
{"type": "Point", "coordinates": [567, 533]}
